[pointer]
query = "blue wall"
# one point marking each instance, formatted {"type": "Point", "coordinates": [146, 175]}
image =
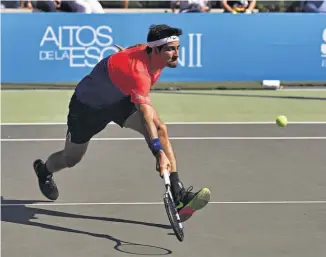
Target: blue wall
{"type": "Point", "coordinates": [58, 47]}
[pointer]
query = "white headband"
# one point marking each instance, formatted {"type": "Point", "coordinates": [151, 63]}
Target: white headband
{"type": "Point", "coordinates": [163, 41]}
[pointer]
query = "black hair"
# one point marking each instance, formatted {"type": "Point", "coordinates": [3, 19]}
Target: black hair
{"type": "Point", "coordinates": [157, 32]}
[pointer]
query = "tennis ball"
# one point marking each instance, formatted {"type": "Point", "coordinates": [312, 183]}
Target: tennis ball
{"type": "Point", "coordinates": [281, 121]}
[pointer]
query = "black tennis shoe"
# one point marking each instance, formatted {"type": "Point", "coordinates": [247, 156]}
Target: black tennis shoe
{"type": "Point", "coordinates": [190, 202]}
{"type": "Point", "coordinates": [45, 180]}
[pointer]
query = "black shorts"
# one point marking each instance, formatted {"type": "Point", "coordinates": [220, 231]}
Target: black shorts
{"type": "Point", "coordinates": [84, 121]}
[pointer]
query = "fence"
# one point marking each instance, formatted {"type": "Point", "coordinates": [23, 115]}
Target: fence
{"type": "Point", "coordinates": [62, 48]}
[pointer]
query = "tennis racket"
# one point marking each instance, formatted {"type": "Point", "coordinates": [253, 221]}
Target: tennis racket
{"type": "Point", "coordinates": [171, 209]}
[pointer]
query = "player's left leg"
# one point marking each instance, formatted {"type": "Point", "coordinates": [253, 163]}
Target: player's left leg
{"type": "Point", "coordinates": [187, 202]}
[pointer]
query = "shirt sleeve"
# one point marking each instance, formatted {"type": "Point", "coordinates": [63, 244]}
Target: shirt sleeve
{"type": "Point", "coordinates": [140, 85]}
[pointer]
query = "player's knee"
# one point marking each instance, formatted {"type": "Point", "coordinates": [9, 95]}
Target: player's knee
{"type": "Point", "coordinates": [163, 130]}
{"type": "Point", "coordinates": [71, 161]}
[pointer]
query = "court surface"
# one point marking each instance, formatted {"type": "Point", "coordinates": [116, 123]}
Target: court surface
{"type": "Point", "coordinates": [268, 189]}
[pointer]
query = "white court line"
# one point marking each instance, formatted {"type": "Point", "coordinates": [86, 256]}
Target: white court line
{"type": "Point", "coordinates": [303, 89]}
{"type": "Point", "coordinates": [172, 138]}
{"type": "Point", "coordinates": [174, 123]}
{"type": "Point", "coordinates": [160, 203]}
{"type": "Point", "coordinates": [33, 124]}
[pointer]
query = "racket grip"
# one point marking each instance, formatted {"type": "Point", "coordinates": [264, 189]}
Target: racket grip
{"type": "Point", "coordinates": [166, 176]}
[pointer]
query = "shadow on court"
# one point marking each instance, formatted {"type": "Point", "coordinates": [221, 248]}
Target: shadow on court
{"type": "Point", "coordinates": [24, 215]}
{"type": "Point", "coordinates": [246, 95]}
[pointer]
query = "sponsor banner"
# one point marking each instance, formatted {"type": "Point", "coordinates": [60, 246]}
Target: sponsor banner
{"type": "Point", "coordinates": [59, 47]}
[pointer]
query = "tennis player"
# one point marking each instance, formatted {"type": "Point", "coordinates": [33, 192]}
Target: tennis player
{"type": "Point", "coordinates": [117, 90]}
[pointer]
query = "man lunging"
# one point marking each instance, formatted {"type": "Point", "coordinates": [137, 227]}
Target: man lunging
{"type": "Point", "coordinates": [117, 90]}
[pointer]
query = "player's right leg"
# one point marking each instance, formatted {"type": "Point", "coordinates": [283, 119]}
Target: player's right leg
{"type": "Point", "coordinates": [83, 123]}
{"type": "Point", "coordinates": [66, 158]}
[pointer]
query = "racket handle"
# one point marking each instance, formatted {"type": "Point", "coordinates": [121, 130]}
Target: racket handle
{"type": "Point", "coordinates": [166, 176]}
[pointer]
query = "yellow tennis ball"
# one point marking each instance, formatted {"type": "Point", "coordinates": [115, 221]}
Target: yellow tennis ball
{"type": "Point", "coordinates": [281, 121]}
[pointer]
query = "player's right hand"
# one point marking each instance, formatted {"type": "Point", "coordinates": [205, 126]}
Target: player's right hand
{"type": "Point", "coordinates": [162, 163]}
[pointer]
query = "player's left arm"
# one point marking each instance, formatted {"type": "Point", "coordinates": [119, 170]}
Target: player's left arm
{"type": "Point", "coordinates": [141, 98]}
{"type": "Point", "coordinates": [159, 141]}
{"type": "Point", "coordinates": [152, 128]}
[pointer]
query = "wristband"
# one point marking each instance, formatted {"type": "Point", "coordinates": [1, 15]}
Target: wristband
{"type": "Point", "coordinates": [156, 146]}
